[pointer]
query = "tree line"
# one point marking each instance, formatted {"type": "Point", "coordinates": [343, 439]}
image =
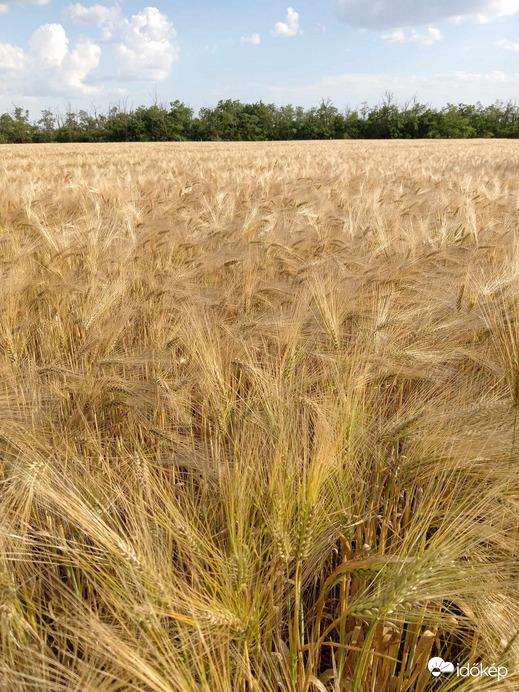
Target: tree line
{"type": "Point", "coordinates": [231, 120]}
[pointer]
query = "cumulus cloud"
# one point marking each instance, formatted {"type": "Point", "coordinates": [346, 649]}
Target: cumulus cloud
{"type": "Point", "coordinates": [53, 68]}
{"type": "Point", "coordinates": [388, 14]}
{"type": "Point", "coordinates": [144, 43]}
{"type": "Point", "coordinates": [106, 18]}
{"type": "Point", "coordinates": [290, 27]}
{"type": "Point", "coordinates": [426, 38]}
{"type": "Point", "coordinates": [50, 67]}
{"type": "Point", "coordinates": [95, 15]}
{"type": "Point", "coordinates": [253, 39]}
{"type": "Point", "coordinates": [4, 4]}
{"type": "Point", "coordinates": [49, 45]}
{"type": "Point", "coordinates": [12, 60]}
{"type": "Point", "coordinates": [509, 45]}
{"type": "Point", "coordinates": [146, 51]}
{"type": "Point", "coordinates": [76, 66]}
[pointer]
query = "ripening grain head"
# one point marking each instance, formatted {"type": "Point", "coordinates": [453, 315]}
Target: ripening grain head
{"type": "Point", "coordinates": [259, 415]}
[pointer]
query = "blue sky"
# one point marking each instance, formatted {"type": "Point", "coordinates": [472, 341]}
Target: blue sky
{"type": "Point", "coordinates": [57, 52]}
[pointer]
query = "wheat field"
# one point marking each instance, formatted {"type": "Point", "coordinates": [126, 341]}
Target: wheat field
{"type": "Point", "coordinates": [258, 425]}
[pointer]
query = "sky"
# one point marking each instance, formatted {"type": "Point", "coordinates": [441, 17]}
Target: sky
{"type": "Point", "coordinates": [56, 53]}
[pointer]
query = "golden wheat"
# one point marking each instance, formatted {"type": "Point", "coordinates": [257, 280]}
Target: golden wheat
{"type": "Point", "coordinates": [259, 410]}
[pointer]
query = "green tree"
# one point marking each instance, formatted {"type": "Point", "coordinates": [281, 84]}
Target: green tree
{"type": "Point", "coordinates": [16, 128]}
{"type": "Point", "coordinates": [46, 126]}
{"type": "Point", "coordinates": [231, 120]}
{"type": "Point", "coordinates": [452, 124]}
{"type": "Point", "coordinates": [179, 121]}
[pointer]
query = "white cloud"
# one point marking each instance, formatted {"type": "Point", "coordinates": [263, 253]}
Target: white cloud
{"type": "Point", "coordinates": [12, 60]}
{"type": "Point", "coordinates": [76, 66]}
{"type": "Point", "coordinates": [388, 14]}
{"type": "Point", "coordinates": [253, 39]}
{"type": "Point", "coordinates": [146, 51]}
{"type": "Point", "coordinates": [509, 45]}
{"type": "Point", "coordinates": [427, 38]}
{"type": "Point", "coordinates": [438, 89]}
{"type": "Point", "coordinates": [49, 67]}
{"type": "Point", "coordinates": [53, 68]}
{"type": "Point", "coordinates": [48, 46]}
{"type": "Point", "coordinates": [290, 27]}
{"type": "Point", "coordinates": [397, 36]}
{"type": "Point", "coordinates": [108, 19]}
{"type": "Point", "coordinates": [95, 15]}
{"type": "Point", "coordinates": [4, 5]}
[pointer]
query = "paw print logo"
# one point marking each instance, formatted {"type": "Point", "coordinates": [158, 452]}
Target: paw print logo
{"type": "Point", "coordinates": [438, 666]}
